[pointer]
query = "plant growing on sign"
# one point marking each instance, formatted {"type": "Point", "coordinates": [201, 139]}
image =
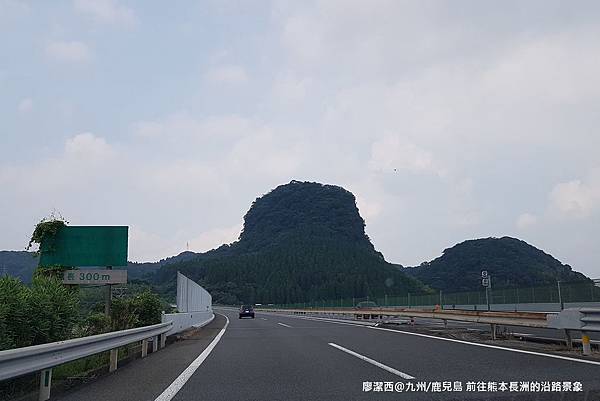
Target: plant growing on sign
{"type": "Point", "coordinates": [46, 230]}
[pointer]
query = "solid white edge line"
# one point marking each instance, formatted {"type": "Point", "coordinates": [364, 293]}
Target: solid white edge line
{"type": "Point", "coordinates": [373, 362]}
{"type": "Point", "coordinates": [283, 324]}
{"type": "Point", "coordinates": [178, 383]}
{"type": "Point", "coordinates": [522, 351]}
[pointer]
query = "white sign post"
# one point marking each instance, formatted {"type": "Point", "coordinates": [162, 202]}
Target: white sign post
{"type": "Point", "coordinates": [486, 281]}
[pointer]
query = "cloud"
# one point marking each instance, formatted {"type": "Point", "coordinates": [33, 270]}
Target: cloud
{"type": "Point", "coordinates": [69, 51]}
{"type": "Point", "coordinates": [88, 146]}
{"type": "Point", "coordinates": [526, 220]}
{"type": "Point", "coordinates": [146, 245]}
{"type": "Point", "coordinates": [214, 238]}
{"type": "Point", "coordinates": [289, 88]}
{"type": "Point", "coordinates": [227, 74]}
{"type": "Point", "coordinates": [107, 11]}
{"type": "Point", "coordinates": [577, 198]}
{"type": "Point", "coordinates": [394, 152]}
{"type": "Point", "coordinates": [25, 106]}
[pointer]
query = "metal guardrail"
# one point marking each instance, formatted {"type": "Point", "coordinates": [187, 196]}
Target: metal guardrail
{"type": "Point", "coordinates": [583, 320]}
{"type": "Point", "coordinates": [580, 319]}
{"type": "Point", "coordinates": [20, 361]}
{"type": "Point", "coordinates": [528, 319]}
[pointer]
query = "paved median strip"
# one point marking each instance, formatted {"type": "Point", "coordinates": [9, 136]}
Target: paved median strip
{"type": "Point", "coordinates": [373, 362]}
{"type": "Point", "coordinates": [283, 324]}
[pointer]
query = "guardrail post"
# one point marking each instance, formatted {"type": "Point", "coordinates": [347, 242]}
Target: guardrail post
{"type": "Point", "coordinates": [114, 358]}
{"type": "Point", "coordinates": [493, 331]}
{"type": "Point", "coordinates": [585, 340]}
{"type": "Point", "coordinates": [45, 383]}
{"type": "Point", "coordinates": [155, 344]}
{"type": "Point", "coordinates": [568, 339]}
{"type": "Point", "coordinates": [163, 340]}
{"type": "Point", "coordinates": [144, 347]}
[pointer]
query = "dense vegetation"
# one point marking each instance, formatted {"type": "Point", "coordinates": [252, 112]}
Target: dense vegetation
{"type": "Point", "coordinates": [44, 312]}
{"type": "Point", "coordinates": [302, 241]}
{"type": "Point", "coordinates": [512, 263]}
{"type": "Point", "coordinates": [48, 311]}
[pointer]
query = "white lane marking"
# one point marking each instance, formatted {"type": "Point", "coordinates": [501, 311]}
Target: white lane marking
{"type": "Point", "coordinates": [373, 362]}
{"type": "Point", "coordinates": [178, 383]}
{"type": "Point", "coordinates": [565, 358]}
{"type": "Point", "coordinates": [320, 319]}
{"type": "Point", "coordinates": [285, 325]}
{"type": "Point", "coordinates": [263, 318]}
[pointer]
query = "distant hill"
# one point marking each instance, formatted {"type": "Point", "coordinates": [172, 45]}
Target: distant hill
{"type": "Point", "coordinates": [302, 241]}
{"type": "Point", "coordinates": [22, 264]}
{"type": "Point", "coordinates": [511, 263]}
{"type": "Point", "coordinates": [19, 264]}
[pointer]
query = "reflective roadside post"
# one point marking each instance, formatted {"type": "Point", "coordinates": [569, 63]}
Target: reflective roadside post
{"type": "Point", "coordinates": [585, 340]}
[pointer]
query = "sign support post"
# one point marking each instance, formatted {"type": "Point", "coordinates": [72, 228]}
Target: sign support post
{"type": "Point", "coordinates": [108, 297]}
{"type": "Point", "coordinates": [486, 281]}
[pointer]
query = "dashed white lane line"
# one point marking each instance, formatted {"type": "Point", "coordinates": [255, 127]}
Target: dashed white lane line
{"type": "Point", "coordinates": [283, 324]}
{"type": "Point", "coordinates": [373, 362]}
{"type": "Point", "coordinates": [178, 383]}
{"type": "Point", "coordinates": [263, 318]}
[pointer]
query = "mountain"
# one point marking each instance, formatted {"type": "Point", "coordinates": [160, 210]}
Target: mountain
{"type": "Point", "coordinates": [19, 264]}
{"type": "Point", "coordinates": [22, 264]}
{"type": "Point", "coordinates": [510, 262]}
{"type": "Point", "coordinates": [301, 242]}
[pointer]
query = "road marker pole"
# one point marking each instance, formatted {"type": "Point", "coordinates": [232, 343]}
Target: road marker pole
{"type": "Point", "coordinates": [585, 340]}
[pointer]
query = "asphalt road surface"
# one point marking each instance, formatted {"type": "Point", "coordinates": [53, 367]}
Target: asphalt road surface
{"type": "Point", "coordinates": [276, 357]}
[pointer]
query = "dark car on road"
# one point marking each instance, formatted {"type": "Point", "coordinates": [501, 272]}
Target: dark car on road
{"type": "Point", "coordinates": [247, 311]}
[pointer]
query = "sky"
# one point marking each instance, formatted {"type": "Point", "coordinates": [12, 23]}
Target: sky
{"type": "Point", "coordinates": [448, 120]}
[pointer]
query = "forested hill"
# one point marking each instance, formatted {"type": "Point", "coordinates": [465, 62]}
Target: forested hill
{"type": "Point", "coordinates": [19, 264]}
{"type": "Point", "coordinates": [22, 264]}
{"type": "Point", "coordinates": [300, 242]}
{"type": "Point", "coordinates": [511, 263]}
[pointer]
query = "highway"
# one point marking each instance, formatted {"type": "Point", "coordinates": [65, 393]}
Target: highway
{"type": "Point", "coordinates": [276, 357]}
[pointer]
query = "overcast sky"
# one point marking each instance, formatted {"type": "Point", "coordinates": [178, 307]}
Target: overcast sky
{"type": "Point", "coordinates": [448, 120]}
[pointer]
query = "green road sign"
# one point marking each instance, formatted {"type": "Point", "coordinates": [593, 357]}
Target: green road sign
{"type": "Point", "coordinates": [86, 246]}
